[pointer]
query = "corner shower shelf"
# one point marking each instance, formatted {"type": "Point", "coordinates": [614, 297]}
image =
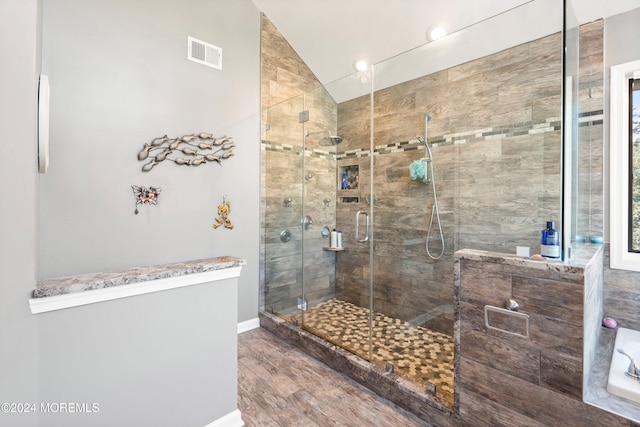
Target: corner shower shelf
{"type": "Point", "coordinates": [334, 249]}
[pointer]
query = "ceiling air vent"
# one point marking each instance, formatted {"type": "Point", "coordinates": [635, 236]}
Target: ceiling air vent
{"type": "Point", "coordinates": [204, 53]}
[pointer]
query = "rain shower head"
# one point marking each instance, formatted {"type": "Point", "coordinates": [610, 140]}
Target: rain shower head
{"type": "Point", "coordinates": [328, 140]}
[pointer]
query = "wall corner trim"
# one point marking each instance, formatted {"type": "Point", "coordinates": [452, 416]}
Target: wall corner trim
{"type": "Point", "coordinates": [248, 325]}
{"type": "Point", "coordinates": [59, 302]}
{"type": "Point", "coordinates": [232, 419]}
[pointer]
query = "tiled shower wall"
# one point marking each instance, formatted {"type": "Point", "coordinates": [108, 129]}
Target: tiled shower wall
{"type": "Point", "coordinates": [296, 182]}
{"type": "Point", "coordinates": [495, 135]}
{"type": "Point", "coordinates": [495, 138]}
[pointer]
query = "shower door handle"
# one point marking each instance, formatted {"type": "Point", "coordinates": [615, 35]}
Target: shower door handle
{"type": "Point", "coordinates": [366, 235]}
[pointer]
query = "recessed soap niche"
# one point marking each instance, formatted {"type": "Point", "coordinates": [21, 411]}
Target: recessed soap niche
{"type": "Point", "coordinates": [348, 177]}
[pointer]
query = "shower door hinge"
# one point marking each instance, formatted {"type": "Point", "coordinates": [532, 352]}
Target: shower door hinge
{"type": "Point", "coordinates": [302, 304]}
{"type": "Point", "coordinates": [430, 388]}
{"type": "Point", "coordinates": [303, 116]}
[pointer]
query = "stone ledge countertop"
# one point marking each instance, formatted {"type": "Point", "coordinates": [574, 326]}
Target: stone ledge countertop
{"type": "Point", "coordinates": [582, 256]}
{"type": "Point", "coordinates": [91, 281]}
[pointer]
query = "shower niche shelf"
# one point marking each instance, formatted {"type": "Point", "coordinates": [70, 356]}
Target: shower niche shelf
{"type": "Point", "coordinates": [348, 177]}
{"type": "Point", "coordinates": [349, 199]}
{"type": "Point", "coordinates": [329, 249]}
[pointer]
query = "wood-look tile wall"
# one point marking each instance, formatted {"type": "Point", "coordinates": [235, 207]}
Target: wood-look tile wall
{"type": "Point", "coordinates": [507, 380]}
{"type": "Point", "coordinates": [295, 166]}
{"type": "Point", "coordinates": [495, 136]}
{"type": "Point", "coordinates": [621, 295]}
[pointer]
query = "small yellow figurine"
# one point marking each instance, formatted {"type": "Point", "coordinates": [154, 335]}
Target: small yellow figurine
{"type": "Point", "coordinates": [224, 210]}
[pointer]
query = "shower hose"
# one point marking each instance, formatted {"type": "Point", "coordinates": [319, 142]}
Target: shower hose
{"type": "Point", "coordinates": [435, 211]}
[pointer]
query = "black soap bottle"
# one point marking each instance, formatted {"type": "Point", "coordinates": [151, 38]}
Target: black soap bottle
{"type": "Point", "coordinates": [550, 242]}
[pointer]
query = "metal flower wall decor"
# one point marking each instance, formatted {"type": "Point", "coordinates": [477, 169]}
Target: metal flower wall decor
{"type": "Point", "coordinates": [197, 149]}
{"type": "Point", "coordinates": [145, 196]}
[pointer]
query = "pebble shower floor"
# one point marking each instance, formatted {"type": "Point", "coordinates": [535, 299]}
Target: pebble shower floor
{"type": "Point", "coordinates": [417, 354]}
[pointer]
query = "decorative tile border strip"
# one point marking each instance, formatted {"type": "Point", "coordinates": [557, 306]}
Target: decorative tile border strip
{"type": "Point", "coordinates": [350, 154]}
{"type": "Point", "coordinates": [552, 124]}
{"type": "Point", "coordinates": [297, 150]}
{"type": "Point", "coordinates": [592, 118]}
{"type": "Point", "coordinates": [273, 146]}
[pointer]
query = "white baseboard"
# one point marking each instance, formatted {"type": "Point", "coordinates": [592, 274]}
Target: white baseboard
{"type": "Point", "coordinates": [248, 325]}
{"type": "Point", "coordinates": [232, 419]}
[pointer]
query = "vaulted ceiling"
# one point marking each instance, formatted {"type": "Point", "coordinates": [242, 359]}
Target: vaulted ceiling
{"type": "Point", "coordinates": [330, 35]}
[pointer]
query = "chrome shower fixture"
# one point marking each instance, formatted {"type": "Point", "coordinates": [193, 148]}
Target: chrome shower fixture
{"type": "Point", "coordinates": [427, 159]}
{"type": "Point", "coordinates": [429, 178]}
{"type": "Point", "coordinates": [328, 140]}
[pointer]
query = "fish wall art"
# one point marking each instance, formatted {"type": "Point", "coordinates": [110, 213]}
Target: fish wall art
{"type": "Point", "coordinates": [187, 150]}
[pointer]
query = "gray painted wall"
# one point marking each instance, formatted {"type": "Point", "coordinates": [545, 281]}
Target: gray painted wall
{"type": "Point", "coordinates": [19, 345]}
{"type": "Point", "coordinates": [161, 359]}
{"type": "Point", "coordinates": [58, 356]}
{"type": "Point", "coordinates": [119, 78]}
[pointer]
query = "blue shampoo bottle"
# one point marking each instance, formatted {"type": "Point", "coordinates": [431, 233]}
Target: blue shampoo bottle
{"type": "Point", "coordinates": [550, 242]}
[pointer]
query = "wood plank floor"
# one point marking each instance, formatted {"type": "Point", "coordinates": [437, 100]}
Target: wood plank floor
{"type": "Point", "coordinates": [280, 386]}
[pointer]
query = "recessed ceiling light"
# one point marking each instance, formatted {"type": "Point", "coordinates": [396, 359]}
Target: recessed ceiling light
{"type": "Point", "coordinates": [361, 65]}
{"type": "Point", "coordinates": [437, 33]}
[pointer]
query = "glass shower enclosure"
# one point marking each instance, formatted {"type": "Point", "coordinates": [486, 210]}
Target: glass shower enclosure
{"type": "Point", "coordinates": [346, 156]}
{"type": "Point", "coordinates": [299, 202]}
{"type": "Point", "coordinates": [377, 295]}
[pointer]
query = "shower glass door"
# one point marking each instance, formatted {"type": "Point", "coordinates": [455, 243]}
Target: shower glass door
{"type": "Point", "coordinates": [339, 158]}
{"type": "Point", "coordinates": [336, 276]}
{"type": "Point", "coordinates": [283, 160]}
{"type": "Point", "coordinates": [319, 209]}
{"type": "Point", "coordinates": [412, 241]}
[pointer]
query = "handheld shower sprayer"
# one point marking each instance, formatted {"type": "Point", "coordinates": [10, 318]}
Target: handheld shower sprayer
{"type": "Point", "coordinates": [430, 178]}
{"type": "Point", "coordinates": [427, 118]}
{"type": "Point", "coordinates": [427, 151]}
